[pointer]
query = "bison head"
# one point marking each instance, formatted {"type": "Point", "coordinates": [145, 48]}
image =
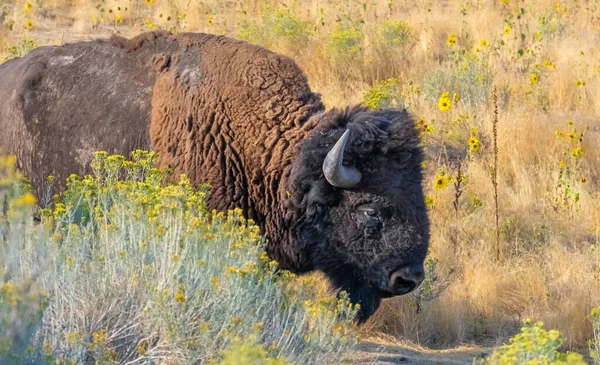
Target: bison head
{"type": "Point", "coordinates": [360, 215]}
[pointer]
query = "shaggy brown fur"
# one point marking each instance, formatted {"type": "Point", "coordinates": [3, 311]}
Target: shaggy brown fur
{"type": "Point", "coordinates": [244, 120]}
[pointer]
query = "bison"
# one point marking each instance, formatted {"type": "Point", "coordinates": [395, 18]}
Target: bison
{"type": "Point", "coordinates": [339, 191]}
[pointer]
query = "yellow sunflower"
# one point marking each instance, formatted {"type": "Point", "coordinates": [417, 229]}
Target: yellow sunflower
{"type": "Point", "coordinates": [429, 201]}
{"type": "Point", "coordinates": [442, 181]}
{"type": "Point", "coordinates": [474, 143]}
{"type": "Point", "coordinates": [535, 78]}
{"type": "Point", "coordinates": [445, 104]}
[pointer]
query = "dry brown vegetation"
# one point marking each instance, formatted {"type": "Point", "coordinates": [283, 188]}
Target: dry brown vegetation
{"type": "Point", "coordinates": [542, 58]}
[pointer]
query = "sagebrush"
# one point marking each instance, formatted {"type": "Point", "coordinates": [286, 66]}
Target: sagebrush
{"type": "Point", "coordinates": [127, 266]}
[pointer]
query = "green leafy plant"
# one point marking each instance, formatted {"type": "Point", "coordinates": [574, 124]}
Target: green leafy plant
{"type": "Point", "coordinates": [570, 179]}
{"type": "Point", "coordinates": [433, 285]}
{"type": "Point", "coordinates": [393, 36]}
{"type": "Point", "coordinates": [346, 42]}
{"type": "Point", "coordinates": [471, 77]}
{"type": "Point", "coordinates": [20, 49]}
{"type": "Point", "coordinates": [275, 26]}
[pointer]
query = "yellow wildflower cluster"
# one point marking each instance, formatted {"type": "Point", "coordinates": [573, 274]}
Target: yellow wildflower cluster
{"type": "Point", "coordinates": [247, 351]}
{"type": "Point", "coordinates": [149, 24]}
{"type": "Point", "coordinates": [249, 268]}
{"type": "Point", "coordinates": [180, 294]}
{"type": "Point", "coordinates": [550, 65]}
{"type": "Point", "coordinates": [474, 144]}
{"type": "Point", "coordinates": [574, 137]}
{"type": "Point", "coordinates": [214, 282]}
{"type": "Point", "coordinates": [7, 288]}
{"type": "Point", "coordinates": [99, 337]}
{"type": "Point", "coordinates": [452, 38]}
{"type": "Point", "coordinates": [577, 152]}
{"type": "Point", "coordinates": [25, 200]}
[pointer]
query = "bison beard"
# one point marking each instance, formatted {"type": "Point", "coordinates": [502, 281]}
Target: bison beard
{"type": "Point", "coordinates": [338, 191]}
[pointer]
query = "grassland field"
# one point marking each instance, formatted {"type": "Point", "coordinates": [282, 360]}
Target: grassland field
{"type": "Point", "coordinates": [528, 70]}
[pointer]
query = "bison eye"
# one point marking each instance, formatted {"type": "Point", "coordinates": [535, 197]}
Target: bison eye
{"type": "Point", "coordinates": [371, 213]}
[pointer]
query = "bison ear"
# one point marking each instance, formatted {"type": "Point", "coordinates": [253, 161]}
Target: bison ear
{"type": "Point", "coordinates": [161, 62]}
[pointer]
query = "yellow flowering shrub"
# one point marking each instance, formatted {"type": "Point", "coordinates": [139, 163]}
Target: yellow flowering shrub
{"type": "Point", "coordinates": [385, 94]}
{"type": "Point", "coordinates": [346, 42]}
{"type": "Point", "coordinates": [534, 345]}
{"type": "Point", "coordinates": [166, 278]}
{"type": "Point", "coordinates": [248, 352]}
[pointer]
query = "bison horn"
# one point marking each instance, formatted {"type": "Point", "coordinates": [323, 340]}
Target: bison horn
{"type": "Point", "coordinates": [335, 172]}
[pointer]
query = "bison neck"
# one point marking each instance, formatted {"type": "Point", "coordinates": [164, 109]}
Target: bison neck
{"type": "Point", "coordinates": [246, 173]}
{"type": "Point", "coordinates": [236, 130]}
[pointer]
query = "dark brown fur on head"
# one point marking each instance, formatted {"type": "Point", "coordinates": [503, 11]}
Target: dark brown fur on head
{"type": "Point", "coordinates": [331, 231]}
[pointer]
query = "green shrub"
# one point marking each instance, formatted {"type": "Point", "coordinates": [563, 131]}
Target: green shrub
{"type": "Point", "coordinates": [276, 26]}
{"type": "Point", "coordinates": [22, 302]}
{"type": "Point", "coordinates": [385, 94]}
{"type": "Point", "coordinates": [346, 42]}
{"type": "Point", "coordinates": [595, 343]}
{"type": "Point", "coordinates": [534, 345]}
{"type": "Point", "coordinates": [393, 36]}
{"type": "Point", "coordinates": [20, 49]}
{"type": "Point", "coordinates": [471, 77]}
{"type": "Point", "coordinates": [137, 270]}
{"type": "Point", "coordinates": [21, 307]}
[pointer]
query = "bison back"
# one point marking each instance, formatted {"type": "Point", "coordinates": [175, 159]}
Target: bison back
{"type": "Point", "coordinates": [62, 103]}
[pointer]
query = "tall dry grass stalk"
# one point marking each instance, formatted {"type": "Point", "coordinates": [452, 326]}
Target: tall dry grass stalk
{"type": "Point", "coordinates": [495, 173]}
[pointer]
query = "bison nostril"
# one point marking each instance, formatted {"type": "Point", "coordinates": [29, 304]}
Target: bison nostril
{"type": "Point", "coordinates": [406, 279]}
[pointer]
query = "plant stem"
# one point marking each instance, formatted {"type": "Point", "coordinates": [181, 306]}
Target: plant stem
{"type": "Point", "coordinates": [495, 173]}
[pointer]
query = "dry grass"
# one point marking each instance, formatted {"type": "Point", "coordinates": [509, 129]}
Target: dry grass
{"type": "Point", "coordinates": [550, 264]}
